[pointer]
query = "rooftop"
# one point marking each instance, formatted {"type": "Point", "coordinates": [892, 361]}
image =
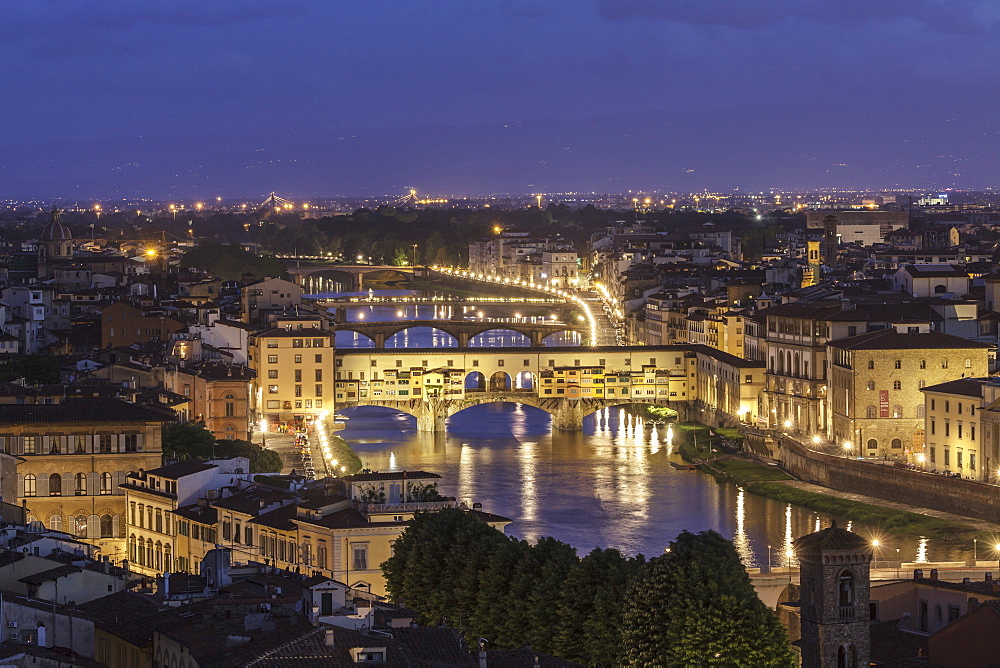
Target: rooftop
{"type": "Point", "coordinates": [890, 339]}
{"type": "Point", "coordinates": [83, 409]}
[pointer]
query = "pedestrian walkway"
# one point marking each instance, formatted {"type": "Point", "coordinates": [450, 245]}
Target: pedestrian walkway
{"type": "Point", "coordinates": [980, 525]}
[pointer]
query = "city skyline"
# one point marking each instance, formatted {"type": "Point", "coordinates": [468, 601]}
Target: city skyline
{"type": "Point", "coordinates": [315, 99]}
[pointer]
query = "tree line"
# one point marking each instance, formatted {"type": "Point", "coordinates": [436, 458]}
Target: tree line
{"type": "Point", "coordinates": [694, 605]}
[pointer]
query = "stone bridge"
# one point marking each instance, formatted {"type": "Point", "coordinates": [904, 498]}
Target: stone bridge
{"type": "Point", "coordinates": [354, 272]}
{"type": "Point", "coordinates": [567, 414]}
{"type": "Point", "coordinates": [461, 330]}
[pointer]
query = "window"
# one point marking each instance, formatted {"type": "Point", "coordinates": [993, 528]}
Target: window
{"type": "Point", "coordinates": [272, 343]}
{"type": "Point", "coordinates": [921, 383]}
{"type": "Point", "coordinates": [230, 409]}
{"type": "Point", "coordinates": [272, 359]}
{"type": "Point", "coordinates": [79, 444]}
{"type": "Point", "coordinates": [972, 432]}
{"type": "Point", "coordinates": [923, 364]}
{"type": "Point", "coordinates": [319, 390]}
{"type": "Point", "coordinates": [30, 485]}
{"type": "Point", "coordinates": [272, 373]}
{"type": "Point", "coordinates": [55, 484]}
{"type": "Point", "coordinates": [972, 461]}
{"type": "Point", "coordinates": [298, 375]}
{"type": "Point", "coordinates": [296, 343]}
{"type": "Point", "coordinates": [897, 385]}
{"type": "Point", "coordinates": [958, 459]}
{"type": "Point", "coordinates": [897, 444]}
{"type": "Point", "coordinates": [298, 359]}
{"type": "Point", "coordinates": [920, 411]}
{"type": "Point", "coordinates": [872, 444]}
{"type": "Point", "coordinates": [319, 375]}
{"type": "Point", "coordinates": [272, 389]}
{"type": "Point", "coordinates": [107, 526]}
{"type": "Point", "coordinates": [898, 364]}
{"type": "Point", "coordinates": [28, 445]}
{"type": "Point", "coordinates": [131, 443]}
{"type": "Point", "coordinates": [105, 443]}
{"type": "Point", "coordinates": [105, 483]}
{"type": "Point", "coordinates": [871, 412]}
{"type": "Point", "coordinates": [947, 457]}
{"type": "Point", "coordinates": [360, 557]}
{"type": "Point", "coordinates": [871, 384]}
{"type": "Point", "coordinates": [968, 363]}
{"type": "Point", "coordinates": [947, 428]}
{"type": "Point", "coordinates": [81, 483]}
{"type": "Point", "coordinates": [944, 364]}
{"type": "Point", "coordinates": [319, 358]}
{"type": "Point", "coordinates": [871, 364]}
{"type": "Point", "coordinates": [298, 390]}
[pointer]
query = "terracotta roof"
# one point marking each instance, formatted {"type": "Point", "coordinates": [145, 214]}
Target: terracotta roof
{"type": "Point", "coordinates": [119, 614]}
{"type": "Point", "coordinates": [51, 574]}
{"type": "Point", "coordinates": [969, 387]}
{"type": "Point", "coordinates": [84, 409]}
{"type": "Point", "coordinates": [890, 339]}
{"type": "Point", "coordinates": [178, 470]}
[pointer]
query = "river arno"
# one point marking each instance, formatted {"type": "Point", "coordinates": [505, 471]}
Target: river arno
{"type": "Point", "coordinates": [610, 485]}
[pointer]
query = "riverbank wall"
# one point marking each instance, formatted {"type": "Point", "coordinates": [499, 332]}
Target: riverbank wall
{"type": "Point", "coordinates": [950, 495]}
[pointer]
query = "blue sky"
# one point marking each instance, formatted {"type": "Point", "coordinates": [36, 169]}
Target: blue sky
{"type": "Point", "coordinates": [117, 69]}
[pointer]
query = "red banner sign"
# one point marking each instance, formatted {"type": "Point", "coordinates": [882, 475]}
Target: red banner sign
{"type": "Point", "coordinates": [883, 403]}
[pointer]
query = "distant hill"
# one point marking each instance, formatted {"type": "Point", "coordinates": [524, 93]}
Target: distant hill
{"type": "Point", "coordinates": [786, 145]}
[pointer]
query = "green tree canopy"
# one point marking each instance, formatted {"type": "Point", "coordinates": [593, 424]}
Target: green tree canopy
{"type": "Point", "coordinates": [190, 440]}
{"type": "Point", "coordinates": [695, 605]}
{"type": "Point", "coordinates": [34, 369]}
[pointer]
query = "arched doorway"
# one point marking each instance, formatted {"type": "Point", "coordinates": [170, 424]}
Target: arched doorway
{"type": "Point", "coordinates": [475, 381]}
{"type": "Point", "coordinates": [500, 382]}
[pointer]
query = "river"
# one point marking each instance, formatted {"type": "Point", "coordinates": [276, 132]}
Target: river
{"type": "Point", "coordinates": [610, 485]}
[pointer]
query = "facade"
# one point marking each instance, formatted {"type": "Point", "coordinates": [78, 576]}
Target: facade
{"type": "Point", "coordinates": [153, 497]}
{"type": "Point", "coordinates": [124, 324]}
{"type": "Point", "coordinates": [929, 280]}
{"type": "Point", "coordinates": [268, 294]}
{"type": "Point", "coordinates": [876, 379]}
{"type": "Point", "coordinates": [292, 367]}
{"type": "Point", "coordinates": [218, 396]}
{"type": "Point", "coordinates": [75, 457]}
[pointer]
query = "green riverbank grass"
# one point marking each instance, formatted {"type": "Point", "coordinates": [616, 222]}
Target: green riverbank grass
{"type": "Point", "coordinates": [874, 518]}
{"type": "Point", "coordinates": [345, 456]}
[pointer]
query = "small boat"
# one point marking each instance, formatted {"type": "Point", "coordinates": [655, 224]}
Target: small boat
{"type": "Point", "coordinates": [684, 467]}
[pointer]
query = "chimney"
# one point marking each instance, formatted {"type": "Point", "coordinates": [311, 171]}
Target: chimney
{"type": "Point", "coordinates": [934, 574]}
{"type": "Point", "coordinates": [918, 574]}
{"type": "Point", "coordinates": [989, 576]}
{"type": "Point", "coordinates": [328, 637]}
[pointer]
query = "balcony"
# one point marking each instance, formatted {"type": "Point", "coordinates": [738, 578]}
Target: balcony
{"type": "Point", "coordinates": [412, 507]}
{"type": "Point", "coordinates": [847, 612]}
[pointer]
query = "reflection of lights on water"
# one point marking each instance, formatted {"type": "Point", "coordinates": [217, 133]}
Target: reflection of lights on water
{"type": "Point", "coordinates": [921, 551]}
{"type": "Point", "coordinates": [788, 553]}
{"type": "Point", "coordinates": [740, 540]}
{"type": "Point", "coordinates": [818, 525]}
{"type": "Point", "coordinates": [654, 441]}
{"type": "Point", "coordinates": [466, 473]}
{"type": "Point", "coordinates": [392, 461]}
{"type": "Point", "coordinates": [529, 489]}
{"type": "Point", "coordinates": [850, 525]}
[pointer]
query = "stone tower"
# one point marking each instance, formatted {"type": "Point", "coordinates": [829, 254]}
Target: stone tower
{"type": "Point", "coordinates": [834, 593]}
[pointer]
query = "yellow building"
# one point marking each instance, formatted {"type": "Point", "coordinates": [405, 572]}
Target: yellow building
{"type": "Point", "coordinates": [876, 405]}
{"type": "Point", "coordinates": [153, 498]}
{"type": "Point", "coordinates": [74, 457]}
{"type": "Point", "coordinates": [292, 365]}
{"type": "Point", "coordinates": [953, 433]}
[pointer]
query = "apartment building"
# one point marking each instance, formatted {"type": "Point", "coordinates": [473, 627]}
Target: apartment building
{"type": "Point", "coordinates": [292, 367]}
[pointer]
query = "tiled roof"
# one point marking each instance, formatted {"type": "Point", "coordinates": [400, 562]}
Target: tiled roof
{"type": "Point", "coordinates": [51, 574]}
{"type": "Point", "coordinates": [196, 513]}
{"type": "Point", "coordinates": [890, 339]}
{"type": "Point", "coordinates": [280, 518]}
{"type": "Point", "coordinates": [83, 409]}
{"type": "Point", "coordinates": [305, 332]}
{"type": "Point", "coordinates": [178, 470]}
{"type": "Point", "coordinates": [969, 387]}
{"type": "Point", "coordinates": [120, 614]}
{"type": "Point", "coordinates": [831, 538]}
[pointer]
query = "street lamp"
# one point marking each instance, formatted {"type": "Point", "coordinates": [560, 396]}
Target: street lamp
{"type": "Point", "coordinates": [996, 548]}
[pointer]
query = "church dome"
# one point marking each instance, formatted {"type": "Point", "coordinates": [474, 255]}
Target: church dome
{"type": "Point", "coordinates": [56, 231]}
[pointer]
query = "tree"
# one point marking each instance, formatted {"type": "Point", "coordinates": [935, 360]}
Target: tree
{"type": "Point", "coordinates": [33, 369]}
{"type": "Point", "coordinates": [190, 440]}
{"type": "Point", "coordinates": [695, 606]}
{"type": "Point", "coordinates": [590, 608]}
{"type": "Point", "coordinates": [437, 562]}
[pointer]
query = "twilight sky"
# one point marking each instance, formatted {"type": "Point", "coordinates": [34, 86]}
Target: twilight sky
{"type": "Point", "coordinates": [321, 97]}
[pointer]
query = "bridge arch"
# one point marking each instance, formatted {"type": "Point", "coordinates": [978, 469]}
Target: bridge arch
{"type": "Point", "coordinates": [526, 380]}
{"type": "Point", "coordinates": [475, 381]}
{"type": "Point", "coordinates": [501, 381]}
{"type": "Point", "coordinates": [384, 274]}
{"type": "Point", "coordinates": [349, 338]}
{"type": "Point", "coordinates": [490, 338]}
{"type": "Point", "coordinates": [439, 337]}
{"type": "Point", "coordinates": [567, 337]}
{"type": "Point", "coordinates": [328, 280]}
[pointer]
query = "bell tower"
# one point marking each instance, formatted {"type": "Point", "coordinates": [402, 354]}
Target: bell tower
{"type": "Point", "coordinates": [834, 593]}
